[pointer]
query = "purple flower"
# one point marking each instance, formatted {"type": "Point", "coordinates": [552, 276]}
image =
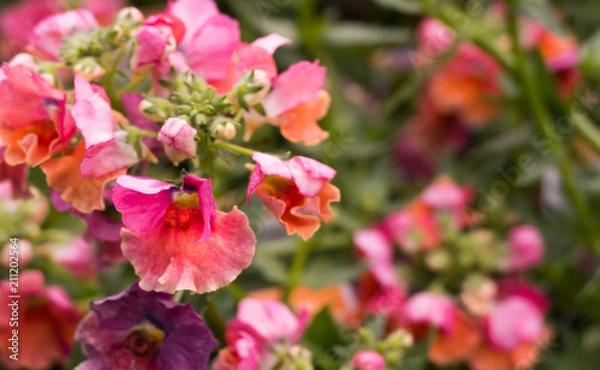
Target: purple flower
{"type": "Point", "coordinates": [143, 330]}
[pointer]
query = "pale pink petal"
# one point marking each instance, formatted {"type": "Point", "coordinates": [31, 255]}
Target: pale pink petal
{"type": "Point", "coordinates": [48, 36]}
{"type": "Point", "coordinates": [513, 322]}
{"type": "Point", "coordinates": [433, 37]}
{"type": "Point", "coordinates": [309, 174]}
{"type": "Point", "coordinates": [108, 157]}
{"type": "Point", "coordinates": [211, 49]}
{"type": "Point", "coordinates": [300, 83]}
{"type": "Point", "coordinates": [271, 42]}
{"type": "Point", "coordinates": [273, 320]}
{"type": "Point", "coordinates": [266, 165]}
{"type": "Point", "coordinates": [377, 250]}
{"type": "Point", "coordinates": [92, 114]}
{"type": "Point", "coordinates": [514, 287]}
{"type": "Point", "coordinates": [431, 309]}
{"type": "Point", "coordinates": [142, 202]}
{"type": "Point", "coordinates": [249, 58]}
{"type": "Point", "coordinates": [172, 259]}
{"type": "Point", "coordinates": [193, 14]}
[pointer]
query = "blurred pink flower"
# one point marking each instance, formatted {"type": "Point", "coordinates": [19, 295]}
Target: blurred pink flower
{"type": "Point", "coordinates": [430, 309]}
{"type": "Point", "coordinates": [76, 257]}
{"type": "Point", "coordinates": [259, 328]}
{"type": "Point", "coordinates": [47, 322]}
{"type": "Point", "coordinates": [48, 36]}
{"type": "Point", "coordinates": [175, 238]}
{"type": "Point", "coordinates": [298, 191]}
{"type": "Point", "coordinates": [525, 249]}
{"type": "Point", "coordinates": [368, 360]}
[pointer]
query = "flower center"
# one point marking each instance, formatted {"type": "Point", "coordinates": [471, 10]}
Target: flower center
{"type": "Point", "coordinates": [144, 340]}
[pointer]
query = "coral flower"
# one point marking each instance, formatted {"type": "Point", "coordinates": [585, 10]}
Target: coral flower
{"type": "Point", "coordinates": [46, 323]}
{"type": "Point", "coordinates": [465, 86]}
{"type": "Point", "coordinates": [175, 238]}
{"type": "Point", "coordinates": [297, 191]}
{"type": "Point", "coordinates": [34, 122]}
{"type": "Point", "coordinates": [296, 103]}
{"type": "Point", "coordinates": [145, 331]}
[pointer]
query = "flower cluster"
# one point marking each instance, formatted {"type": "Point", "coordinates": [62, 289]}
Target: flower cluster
{"type": "Point", "coordinates": [443, 120]}
{"type": "Point", "coordinates": [131, 153]}
{"type": "Point", "coordinates": [474, 295]}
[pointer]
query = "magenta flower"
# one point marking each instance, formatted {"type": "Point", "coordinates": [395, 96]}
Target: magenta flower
{"type": "Point", "coordinates": [297, 191]}
{"type": "Point", "coordinates": [260, 330]}
{"type": "Point", "coordinates": [175, 238]}
{"type": "Point", "coordinates": [525, 248]}
{"type": "Point", "coordinates": [48, 36]}
{"type": "Point", "coordinates": [145, 331]}
{"type": "Point", "coordinates": [368, 360]}
{"type": "Point", "coordinates": [34, 122]}
{"type": "Point", "coordinates": [178, 137]}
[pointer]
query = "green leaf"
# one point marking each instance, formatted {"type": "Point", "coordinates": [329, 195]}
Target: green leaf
{"type": "Point", "coordinates": [404, 6]}
{"type": "Point", "coordinates": [354, 34]}
{"type": "Point", "coordinates": [324, 332]}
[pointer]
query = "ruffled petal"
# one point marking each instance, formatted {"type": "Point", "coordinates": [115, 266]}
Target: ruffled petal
{"type": "Point", "coordinates": [171, 258]}
{"type": "Point", "coordinates": [299, 125]}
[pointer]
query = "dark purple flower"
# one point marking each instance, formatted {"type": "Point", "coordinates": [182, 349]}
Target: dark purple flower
{"type": "Point", "coordinates": [142, 330]}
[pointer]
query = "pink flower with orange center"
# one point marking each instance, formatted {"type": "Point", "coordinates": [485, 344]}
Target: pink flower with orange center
{"type": "Point", "coordinates": [176, 239]}
{"type": "Point", "coordinates": [34, 122]}
{"type": "Point", "coordinates": [298, 191]}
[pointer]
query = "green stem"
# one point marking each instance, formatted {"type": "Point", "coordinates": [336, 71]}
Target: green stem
{"type": "Point", "coordinates": [137, 132]}
{"type": "Point", "coordinates": [232, 147]}
{"type": "Point", "coordinates": [585, 128]}
{"type": "Point", "coordinates": [215, 321]}
{"type": "Point", "coordinates": [298, 263]}
{"type": "Point", "coordinates": [136, 80]}
{"type": "Point", "coordinates": [178, 297]}
{"type": "Point", "coordinates": [535, 100]}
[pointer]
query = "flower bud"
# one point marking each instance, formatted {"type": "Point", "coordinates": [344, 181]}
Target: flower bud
{"type": "Point", "coordinates": [225, 132]}
{"type": "Point", "coordinates": [368, 360]}
{"type": "Point", "coordinates": [129, 15]}
{"type": "Point", "coordinates": [438, 259]}
{"type": "Point", "coordinates": [479, 294]}
{"type": "Point", "coordinates": [178, 137]}
{"type": "Point", "coordinates": [258, 79]}
{"type": "Point", "coordinates": [152, 111]}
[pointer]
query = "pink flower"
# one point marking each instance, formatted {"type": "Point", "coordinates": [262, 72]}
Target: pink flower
{"type": "Point", "coordinates": [295, 104]}
{"type": "Point", "coordinates": [445, 194]}
{"type": "Point", "coordinates": [76, 257]}
{"type": "Point", "coordinates": [22, 250]}
{"type": "Point", "coordinates": [34, 122]}
{"type": "Point", "coordinates": [414, 228]}
{"type": "Point", "coordinates": [433, 37]}
{"type": "Point", "coordinates": [48, 36]}
{"type": "Point", "coordinates": [430, 309]}
{"type": "Point", "coordinates": [47, 322]}
{"type": "Point", "coordinates": [377, 250]}
{"type": "Point", "coordinates": [259, 329]}
{"type": "Point", "coordinates": [107, 151]}
{"type": "Point", "coordinates": [178, 137]}
{"type": "Point", "coordinates": [297, 191]}
{"type": "Point", "coordinates": [193, 14]}
{"type": "Point", "coordinates": [525, 248]}
{"type": "Point", "coordinates": [17, 21]}
{"type": "Point", "coordinates": [368, 360]}
{"type": "Point", "coordinates": [175, 238]}
{"type": "Point", "coordinates": [156, 39]}
{"type": "Point", "coordinates": [515, 320]}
